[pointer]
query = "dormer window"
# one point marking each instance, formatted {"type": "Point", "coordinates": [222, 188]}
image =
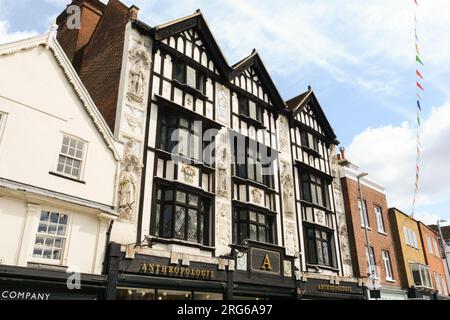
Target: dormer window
{"type": "Point", "coordinates": [187, 75]}
{"type": "Point", "coordinates": [250, 109]}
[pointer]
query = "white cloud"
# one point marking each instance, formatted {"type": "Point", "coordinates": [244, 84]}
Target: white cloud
{"type": "Point", "coordinates": [7, 36]}
{"type": "Point", "coordinates": [388, 155]}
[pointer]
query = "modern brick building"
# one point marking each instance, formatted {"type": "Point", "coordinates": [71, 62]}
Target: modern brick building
{"type": "Point", "coordinates": [380, 232]}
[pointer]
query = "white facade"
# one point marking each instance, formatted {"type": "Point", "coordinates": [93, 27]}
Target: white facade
{"type": "Point", "coordinates": [58, 162]}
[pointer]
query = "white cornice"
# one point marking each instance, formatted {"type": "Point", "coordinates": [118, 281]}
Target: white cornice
{"type": "Point", "coordinates": [48, 41]}
{"type": "Point", "coordinates": [352, 173]}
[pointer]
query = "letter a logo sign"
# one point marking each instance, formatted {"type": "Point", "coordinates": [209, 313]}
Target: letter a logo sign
{"type": "Point", "coordinates": [266, 265]}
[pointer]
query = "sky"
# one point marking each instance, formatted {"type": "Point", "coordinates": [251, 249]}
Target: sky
{"type": "Point", "coordinates": [359, 58]}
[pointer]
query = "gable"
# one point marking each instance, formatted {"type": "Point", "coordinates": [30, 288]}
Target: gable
{"type": "Point", "coordinates": [307, 110]}
{"type": "Point", "coordinates": [191, 44]}
{"type": "Point", "coordinates": [249, 81]}
{"type": "Point", "coordinates": [192, 32]}
{"type": "Point", "coordinates": [259, 81]}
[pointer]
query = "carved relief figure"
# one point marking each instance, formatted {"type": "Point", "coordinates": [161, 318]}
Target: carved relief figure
{"type": "Point", "coordinates": [288, 188]}
{"type": "Point", "coordinates": [136, 83]}
{"type": "Point", "coordinates": [283, 134]}
{"type": "Point", "coordinates": [257, 196]}
{"type": "Point", "coordinates": [222, 186]}
{"type": "Point", "coordinates": [128, 181]}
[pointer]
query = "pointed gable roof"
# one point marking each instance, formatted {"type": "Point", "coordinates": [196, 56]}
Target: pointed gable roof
{"type": "Point", "coordinates": [197, 21]}
{"type": "Point", "coordinates": [254, 60]}
{"type": "Point", "coordinates": [49, 42]}
{"type": "Point", "coordinates": [297, 103]}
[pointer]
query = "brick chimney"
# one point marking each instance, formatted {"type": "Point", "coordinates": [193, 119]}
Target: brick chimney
{"type": "Point", "coordinates": [133, 12]}
{"type": "Point", "coordinates": [73, 40]}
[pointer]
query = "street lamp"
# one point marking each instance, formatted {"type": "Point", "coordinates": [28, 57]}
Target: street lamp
{"type": "Point", "coordinates": [364, 214]}
{"type": "Point", "coordinates": [443, 243]}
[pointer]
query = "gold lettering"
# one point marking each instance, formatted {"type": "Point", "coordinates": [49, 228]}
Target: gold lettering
{"type": "Point", "coordinates": [170, 269]}
{"type": "Point", "coordinates": [176, 270]}
{"type": "Point", "coordinates": [188, 271]}
{"type": "Point", "coordinates": [266, 266]}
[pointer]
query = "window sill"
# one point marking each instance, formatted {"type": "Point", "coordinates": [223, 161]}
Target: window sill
{"type": "Point", "coordinates": [47, 263]}
{"type": "Point", "coordinates": [60, 175]}
{"type": "Point", "coordinates": [167, 155]}
{"type": "Point", "coordinates": [368, 228]}
{"type": "Point", "coordinates": [253, 183]}
{"type": "Point", "coordinates": [311, 152]}
{"type": "Point", "coordinates": [390, 280]}
{"type": "Point", "coordinates": [309, 265]}
{"type": "Point", "coordinates": [191, 90]}
{"type": "Point", "coordinates": [252, 121]}
{"type": "Point", "coordinates": [383, 233]}
{"type": "Point", "coordinates": [182, 243]}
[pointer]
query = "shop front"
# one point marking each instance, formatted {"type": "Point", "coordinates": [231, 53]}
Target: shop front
{"type": "Point", "coordinates": [254, 272]}
{"type": "Point", "coordinates": [326, 289]}
{"type": "Point", "coordinates": [19, 283]}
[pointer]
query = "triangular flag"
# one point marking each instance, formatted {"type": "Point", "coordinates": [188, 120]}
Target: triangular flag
{"type": "Point", "coordinates": [415, 1]}
{"type": "Point", "coordinates": [418, 105]}
{"type": "Point", "coordinates": [418, 60]}
{"type": "Point", "coordinates": [419, 97]}
{"type": "Point", "coordinates": [417, 49]}
{"type": "Point", "coordinates": [419, 74]}
{"type": "Point", "coordinates": [421, 88]}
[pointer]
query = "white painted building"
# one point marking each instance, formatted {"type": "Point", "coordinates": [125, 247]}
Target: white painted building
{"type": "Point", "coordinates": [58, 164]}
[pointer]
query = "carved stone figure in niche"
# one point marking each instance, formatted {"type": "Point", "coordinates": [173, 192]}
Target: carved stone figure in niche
{"type": "Point", "coordinates": [136, 82]}
{"type": "Point", "coordinates": [140, 59]}
{"type": "Point", "coordinates": [283, 134]}
{"type": "Point", "coordinates": [127, 188]}
{"type": "Point", "coordinates": [288, 186]}
{"type": "Point", "coordinates": [128, 181]}
{"type": "Point", "coordinates": [222, 186]}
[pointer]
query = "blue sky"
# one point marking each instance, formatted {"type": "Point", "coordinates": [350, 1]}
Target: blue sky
{"type": "Point", "coordinates": [358, 56]}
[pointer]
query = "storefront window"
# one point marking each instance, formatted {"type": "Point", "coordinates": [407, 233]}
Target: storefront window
{"type": "Point", "coordinates": [207, 296]}
{"type": "Point", "coordinates": [135, 294]}
{"type": "Point", "coordinates": [165, 294]}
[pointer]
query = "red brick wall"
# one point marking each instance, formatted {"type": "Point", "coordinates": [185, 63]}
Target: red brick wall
{"type": "Point", "coordinates": [377, 240]}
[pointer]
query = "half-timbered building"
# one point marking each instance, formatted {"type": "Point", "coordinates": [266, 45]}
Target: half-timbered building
{"type": "Point", "coordinates": [225, 190]}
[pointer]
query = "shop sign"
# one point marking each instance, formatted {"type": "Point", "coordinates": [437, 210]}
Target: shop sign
{"type": "Point", "coordinates": [23, 295]}
{"type": "Point", "coordinates": [265, 261]}
{"type": "Point", "coordinates": [334, 288]}
{"type": "Point", "coordinates": [176, 271]}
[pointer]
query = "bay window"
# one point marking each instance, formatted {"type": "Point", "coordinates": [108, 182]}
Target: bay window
{"type": "Point", "coordinates": [253, 225]}
{"type": "Point", "coordinates": [421, 275]}
{"type": "Point", "coordinates": [253, 161]}
{"type": "Point", "coordinates": [182, 136]}
{"type": "Point", "coordinates": [315, 190]}
{"type": "Point", "coordinates": [181, 215]}
{"type": "Point", "coordinates": [320, 246]}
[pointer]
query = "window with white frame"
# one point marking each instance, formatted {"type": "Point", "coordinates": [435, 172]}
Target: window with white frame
{"type": "Point", "coordinates": [361, 216]}
{"type": "Point", "coordinates": [436, 248]}
{"type": "Point", "coordinates": [380, 222]}
{"type": "Point", "coordinates": [372, 269]}
{"type": "Point", "coordinates": [444, 286]}
{"type": "Point", "coordinates": [421, 275]}
{"type": "Point", "coordinates": [437, 282]}
{"type": "Point", "coordinates": [387, 265]}
{"type": "Point", "coordinates": [71, 157]}
{"type": "Point", "coordinates": [51, 236]}
{"type": "Point", "coordinates": [430, 246]}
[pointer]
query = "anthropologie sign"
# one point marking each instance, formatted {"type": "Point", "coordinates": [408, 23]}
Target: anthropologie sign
{"type": "Point", "coordinates": [23, 295]}
{"type": "Point", "coordinates": [265, 261]}
{"type": "Point", "coordinates": [158, 269]}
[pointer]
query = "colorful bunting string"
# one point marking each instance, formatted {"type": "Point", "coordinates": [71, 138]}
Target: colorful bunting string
{"type": "Point", "coordinates": [419, 88]}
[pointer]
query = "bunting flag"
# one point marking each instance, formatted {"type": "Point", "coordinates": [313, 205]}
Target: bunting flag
{"type": "Point", "coordinates": [419, 89]}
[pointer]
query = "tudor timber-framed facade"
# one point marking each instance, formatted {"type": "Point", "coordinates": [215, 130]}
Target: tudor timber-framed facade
{"type": "Point", "coordinates": [211, 226]}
